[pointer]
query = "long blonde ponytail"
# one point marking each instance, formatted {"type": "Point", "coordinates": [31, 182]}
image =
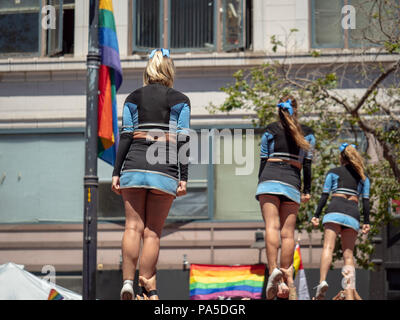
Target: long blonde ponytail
{"type": "Point", "coordinates": [351, 155]}
{"type": "Point", "coordinates": [290, 123]}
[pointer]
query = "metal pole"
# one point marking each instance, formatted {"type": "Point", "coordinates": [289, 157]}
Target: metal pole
{"type": "Point", "coordinates": [91, 179]}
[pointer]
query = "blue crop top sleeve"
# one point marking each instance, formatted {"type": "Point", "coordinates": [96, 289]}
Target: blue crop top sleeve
{"type": "Point", "coordinates": [365, 189]}
{"type": "Point", "coordinates": [328, 183]}
{"type": "Point", "coordinates": [265, 141]}
{"type": "Point", "coordinates": [311, 140]}
{"type": "Point", "coordinates": [129, 117]}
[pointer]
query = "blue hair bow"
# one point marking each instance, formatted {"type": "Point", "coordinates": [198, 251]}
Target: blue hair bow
{"type": "Point", "coordinates": [165, 52]}
{"type": "Point", "coordinates": [286, 106]}
{"type": "Point", "coordinates": [345, 145]}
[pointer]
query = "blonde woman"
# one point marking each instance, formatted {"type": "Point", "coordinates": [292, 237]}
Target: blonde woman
{"type": "Point", "coordinates": [151, 168]}
{"type": "Point", "coordinates": [347, 183]}
{"type": "Point", "coordinates": [286, 149]}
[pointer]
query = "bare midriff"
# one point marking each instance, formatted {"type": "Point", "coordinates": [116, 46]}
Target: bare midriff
{"type": "Point", "coordinates": [291, 162]}
{"type": "Point", "coordinates": [346, 196]}
{"type": "Point", "coordinates": [163, 137]}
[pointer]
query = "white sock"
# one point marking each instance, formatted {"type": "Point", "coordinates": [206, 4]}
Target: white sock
{"type": "Point", "coordinates": [130, 282]}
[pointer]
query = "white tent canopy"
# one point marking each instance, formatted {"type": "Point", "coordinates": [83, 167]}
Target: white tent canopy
{"type": "Point", "coordinates": [19, 284]}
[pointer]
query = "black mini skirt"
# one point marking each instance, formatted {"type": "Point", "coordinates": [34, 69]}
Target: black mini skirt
{"type": "Point", "coordinates": [280, 178]}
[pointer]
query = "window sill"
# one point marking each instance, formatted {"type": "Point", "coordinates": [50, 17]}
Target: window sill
{"type": "Point", "coordinates": [196, 60]}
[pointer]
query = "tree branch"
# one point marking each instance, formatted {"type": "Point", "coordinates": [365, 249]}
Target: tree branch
{"type": "Point", "coordinates": [387, 148]}
{"type": "Point", "coordinates": [374, 85]}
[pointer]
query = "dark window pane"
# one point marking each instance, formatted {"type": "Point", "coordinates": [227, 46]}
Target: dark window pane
{"type": "Point", "coordinates": [19, 25]}
{"type": "Point", "coordinates": [192, 24]}
{"type": "Point", "coordinates": [110, 204]}
{"type": "Point", "coordinates": [193, 205]}
{"type": "Point", "coordinates": [19, 33]}
{"type": "Point", "coordinates": [68, 31]}
{"type": "Point", "coordinates": [147, 33]}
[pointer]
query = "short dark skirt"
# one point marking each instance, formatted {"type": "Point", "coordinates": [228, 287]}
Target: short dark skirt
{"type": "Point", "coordinates": [140, 151]}
{"type": "Point", "coordinates": [140, 172]}
{"type": "Point", "coordinates": [344, 212]}
{"type": "Point", "coordinates": [280, 178]}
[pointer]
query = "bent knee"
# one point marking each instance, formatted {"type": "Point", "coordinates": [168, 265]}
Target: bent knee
{"type": "Point", "coordinates": [150, 234]}
{"type": "Point", "coordinates": [287, 234]}
{"type": "Point", "coordinates": [136, 226]}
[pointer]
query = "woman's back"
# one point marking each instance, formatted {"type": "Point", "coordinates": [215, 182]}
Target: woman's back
{"type": "Point", "coordinates": [154, 106]}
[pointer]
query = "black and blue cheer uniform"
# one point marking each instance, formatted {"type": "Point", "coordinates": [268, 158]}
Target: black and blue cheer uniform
{"type": "Point", "coordinates": [342, 211]}
{"type": "Point", "coordinates": [282, 178]}
{"type": "Point", "coordinates": [149, 163]}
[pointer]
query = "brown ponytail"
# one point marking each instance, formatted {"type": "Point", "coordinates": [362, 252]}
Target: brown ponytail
{"type": "Point", "coordinates": [290, 123]}
{"type": "Point", "coordinates": [351, 155]}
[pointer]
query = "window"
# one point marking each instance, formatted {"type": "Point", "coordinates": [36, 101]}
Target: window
{"type": "Point", "coordinates": [41, 177]}
{"type": "Point", "coordinates": [147, 24]}
{"type": "Point", "coordinates": [326, 24]}
{"type": "Point", "coordinates": [20, 27]}
{"type": "Point", "coordinates": [233, 24]}
{"type": "Point", "coordinates": [370, 29]}
{"type": "Point", "coordinates": [191, 25]}
{"type": "Point", "coordinates": [235, 194]}
{"type": "Point", "coordinates": [22, 32]}
{"type": "Point", "coordinates": [328, 32]}
{"type": "Point", "coordinates": [61, 39]}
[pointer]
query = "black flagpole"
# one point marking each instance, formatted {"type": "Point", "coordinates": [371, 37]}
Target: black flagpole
{"type": "Point", "coordinates": [91, 179]}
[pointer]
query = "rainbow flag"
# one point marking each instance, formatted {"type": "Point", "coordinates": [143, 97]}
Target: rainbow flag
{"type": "Point", "coordinates": [110, 79]}
{"type": "Point", "coordinates": [300, 280]}
{"type": "Point", "coordinates": [212, 282]}
{"type": "Point", "coordinates": [54, 295]}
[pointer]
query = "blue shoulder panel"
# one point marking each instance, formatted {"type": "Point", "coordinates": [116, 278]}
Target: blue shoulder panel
{"type": "Point", "coordinates": [267, 145]}
{"type": "Point", "coordinates": [130, 118]}
{"type": "Point", "coordinates": [180, 117]}
{"type": "Point", "coordinates": [365, 188]}
{"type": "Point", "coordinates": [311, 140]}
{"type": "Point", "coordinates": [331, 182]}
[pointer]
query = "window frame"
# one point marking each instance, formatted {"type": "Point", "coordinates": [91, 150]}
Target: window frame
{"type": "Point", "coordinates": [225, 46]}
{"type": "Point", "coordinates": [32, 54]}
{"type": "Point", "coordinates": [44, 38]}
{"type": "Point", "coordinates": [219, 42]}
{"type": "Point", "coordinates": [59, 23]}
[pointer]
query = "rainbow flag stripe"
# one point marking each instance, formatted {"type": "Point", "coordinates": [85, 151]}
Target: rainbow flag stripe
{"type": "Point", "coordinates": [210, 282]}
{"type": "Point", "coordinates": [54, 295]}
{"type": "Point", "coordinates": [297, 261]}
{"type": "Point", "coordinates": [110, 79]}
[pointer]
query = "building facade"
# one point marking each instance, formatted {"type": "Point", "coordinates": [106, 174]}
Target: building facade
{"type": "Point", "coordinates": [43, 114]}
